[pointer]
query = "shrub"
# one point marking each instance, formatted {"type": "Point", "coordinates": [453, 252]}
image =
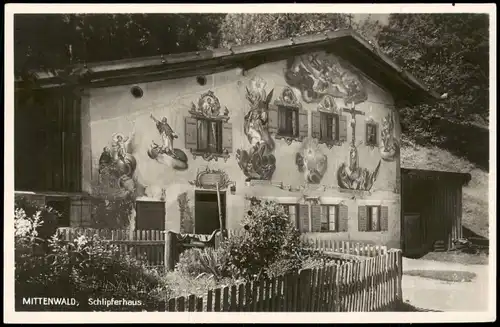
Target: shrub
{"type": "Point", "coordinates": [83, 269]}
{"type": "Point", "coordinates": [269, 238]}
{"type": "Point", "coordinates": [194, 262]}
{"type": "Point", "coordinates": [48, 215]}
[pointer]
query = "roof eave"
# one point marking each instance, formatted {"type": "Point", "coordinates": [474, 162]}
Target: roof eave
{"type": "Point", "coordinates": [169, 66]}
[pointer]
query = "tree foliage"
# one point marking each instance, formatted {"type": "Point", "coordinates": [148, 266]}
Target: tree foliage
{"type": "Point", "coordinates": [55, 40]}
{"type": "Point", "coordinates": [450, 54]}
{"type": "Point", "coordinates": [240, 29]}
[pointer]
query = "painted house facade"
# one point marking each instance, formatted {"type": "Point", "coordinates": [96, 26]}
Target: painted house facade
{"type": "Point", "coordinates": [309, 122]}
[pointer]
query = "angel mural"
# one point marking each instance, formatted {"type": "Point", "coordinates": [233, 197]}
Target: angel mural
{"type": "Point", "coordinates": [389, 149]}
{"type": "Point", "coordinates": [311, 161]}
{"type": "Point", "coordinates": [319, 74]}
{"type": "Point", "coordinates": [166, 153]}
{"type": "Point", "coordinates": [259, 161]}
{"type": "Point", "coordinates": [117, 164]}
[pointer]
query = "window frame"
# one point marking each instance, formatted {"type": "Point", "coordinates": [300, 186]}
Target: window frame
{"type": "Point", "coordinates": [375, 133]}
{"type": "Point", "coordinates": [288, 110]}
{"type": "Point", "coordinates": [335, 131]}
{"type": "Point", "coordinates": [219, 145]}
{"type": "Point", "coordinates": [369, 218]}
{"type": "Point", "coordinates": [286, 207]}
{"type": "Point", "coordinates": [329, 207]}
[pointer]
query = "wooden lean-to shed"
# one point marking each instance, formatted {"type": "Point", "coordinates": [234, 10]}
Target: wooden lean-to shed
{"type": "Point", "coordinates": [431, 209]}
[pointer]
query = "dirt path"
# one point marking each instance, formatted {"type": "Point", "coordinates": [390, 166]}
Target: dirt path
{"type": "Point", "coordinates": [442, 295]}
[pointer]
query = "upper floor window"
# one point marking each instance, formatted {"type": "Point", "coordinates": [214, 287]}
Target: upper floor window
{"type": "Point", "coordinates": [371, 133]}
{"type": "Point", "coordinates": [288, 121]}
{"type": "Point", "coordinates": [329, 126]}
{"type": "Point", "coordinates": [209, 136]}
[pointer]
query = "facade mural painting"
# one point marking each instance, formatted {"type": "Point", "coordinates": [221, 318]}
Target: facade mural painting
{"type": "Point", "coordinates": [208, 179]}
{"type": "Point", "coordinates": [208, 133]}
{"type": "Point", "coordinates": [352, 176]}
{"type": "Point", "coordinates": [319, 74]}
{"type": "Point", "coordinates": [259, 161]}
{"type": "Point", "coordinates": [289, 118]}
{"type": "Point", "coordinates": [389, 149]}
{"type": "Point", "coordinates": [187, 220]}
{"type": "Point", "coordinates": [117, 166]}
{"type": "Point", "coordinates": [311, 161]}
{"type": "Point", "coordinates": [165, 152]}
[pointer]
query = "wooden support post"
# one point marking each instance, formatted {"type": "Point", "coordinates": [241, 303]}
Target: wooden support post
{"type": "Point", "coordinates": [220, 211]}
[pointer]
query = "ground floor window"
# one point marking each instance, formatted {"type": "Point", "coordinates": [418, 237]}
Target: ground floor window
{"type": "Point", "coordinates": [292, 210]}
{"type": "Point", "coordinates": [373, 218]}
{"type": "Point", "coordinates": [206, 208]}
{"type": "Point", "coordinates": [329, 218]}
{"type": "Point", "coordinates": [150, 215]}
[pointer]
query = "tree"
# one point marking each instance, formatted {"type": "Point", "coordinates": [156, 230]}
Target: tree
{"type": "Point", "coordinates": [239, 29]}
{"type": "Point", "coordinates": [53, 41]}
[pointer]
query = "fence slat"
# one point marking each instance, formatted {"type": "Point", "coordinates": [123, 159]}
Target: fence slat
{"type": "Point", "coordinates": [241, 297]}
{"type": "Point", "coordinates": [225, 299]}
{"type": "Point", "coordinates": [233, 307]}
{"type": "Point", "coordinates": [217, 300]}
{"type": "Point", "coordinates": [180, 304]}
{"type": "Point", "coordinates": [191, 303]}
{"type": "Point", "coordinates": [248, 297]}
{"type": "Point", "coordinates": [199, 304]}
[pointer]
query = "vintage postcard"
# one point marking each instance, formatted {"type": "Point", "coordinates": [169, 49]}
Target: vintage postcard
{"type": "Point", "coordinates": [248, 163]}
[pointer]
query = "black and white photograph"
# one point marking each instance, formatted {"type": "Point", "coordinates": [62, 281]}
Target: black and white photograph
{"type": "Point", "coordinates": [290, 162]}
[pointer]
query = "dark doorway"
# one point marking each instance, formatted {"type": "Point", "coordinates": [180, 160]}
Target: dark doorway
{"type": "Point", "coordinates": [150, 215]}
{"type": "Point", "coordinates": [207, 212]}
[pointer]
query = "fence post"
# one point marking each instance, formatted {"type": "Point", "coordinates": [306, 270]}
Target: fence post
{"type": "Point", "coordinates": [399, 262]}
{"type": "Point", "coordinates": [168, 251]}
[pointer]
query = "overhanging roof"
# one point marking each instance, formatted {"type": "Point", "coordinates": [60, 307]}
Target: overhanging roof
{"type": "Point", "coordinates": [464, 178]}
{"type": "Point", "coordinates": [345, 43]}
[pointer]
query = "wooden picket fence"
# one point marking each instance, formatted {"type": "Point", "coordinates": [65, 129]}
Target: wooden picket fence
{"type": "Point", "coordinates": [372, 284]}
{"type": "Point", "coordinates": [152, 245]}
{"type": "Point", "coordinates": [147, 245]}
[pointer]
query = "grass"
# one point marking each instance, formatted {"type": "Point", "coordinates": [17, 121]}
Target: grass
{"type": "Point", "coordinates": [458, 257]}
{"type": "Point", "coordinates": [475, 214]}
{"type": "Point", "coordinates": [444, 275]}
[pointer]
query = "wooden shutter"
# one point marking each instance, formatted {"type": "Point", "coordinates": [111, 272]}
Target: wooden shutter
{"type": "Point", "coordinates": [227, 137]}
{"type": "Point", "coordinates": [191, 133]}
{"type": "Point", "coordinates": [362, 218]}
{"type": "Point", "coordinates": [316, 218]}
{"type": "Point", "coordinates": [316, 124]}
{"type": "Point", "coordinates": [342, 128]}
{"type": "Point", "coordinates": [272, 119]}
{"type": "Point", "coordinates": [303, 125]}
{"type": "Point", "coordinates": [384, 218]}
{"type": "Point", "coordinates": [343, 218]}
{"type": "Point", "coordinates": [304, 218]}
{"type": "Point", "coordinates": [376, 125]}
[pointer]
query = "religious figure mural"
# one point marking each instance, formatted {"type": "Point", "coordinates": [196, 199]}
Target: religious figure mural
{"type": "Point", "coordinates": [389, 149]}
{"type": "Point", "coordinates": [352, 176]}
{"type": "Point", "coordinates": [259, 161]}
{"type": "Point", "coordinates": [311, 161]}
{"type": "Point", "coordinates": [319, 74]}
{"type": "Point", "coordinates": [117, 164]}
{"type": "Point", "coordinates": [209, 107]}
{"type": "Point", "coordinates": [165, 152]}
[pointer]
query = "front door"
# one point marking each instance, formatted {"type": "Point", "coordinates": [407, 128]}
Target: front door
{"type": "Point", "coordinates": [413, 240]}
{"type": "Point", "coordinates": [207, 212]}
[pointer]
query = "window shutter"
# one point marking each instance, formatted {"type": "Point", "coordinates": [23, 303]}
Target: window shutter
{"type": "Point", "coordinates": [384, 218]}
{"type": "Point", "coordinates": [362, 218]}
{"type": "Point", "coordinates": [303, 125]}
{"type": "Point", "coordinates": [342, 128]}
{"type": "Point", "coordinates": [343, 218]}
{"type": "Point", "coordinates": [376, 133]}
{"type": "Point", "coordinates": [272, 119]}
{"type": "Point", "coordinates": [227, 137]}
{"type": "Point", "coordinates": [304, 218]}
{"type": "Point", "coordinates": [191, 133]}
{"type": "Point", "coordinates": [316, 124]}
{"type": "Point", "coordinates": [316, 217]}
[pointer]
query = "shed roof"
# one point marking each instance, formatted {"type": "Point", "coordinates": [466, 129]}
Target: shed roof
{"type": "Point", "coordinates": [464, 178]}
{"type": "Point", "coordinates": [345, 43]}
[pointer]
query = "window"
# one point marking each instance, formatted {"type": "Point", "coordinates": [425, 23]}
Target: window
{"type": "Point", "coordinates": [288, 121]}
{"type": "Point", "coordinates": [373, 223]}
{"type": "Point", "coordinates": [209, 136]}
{"type": "Point", "coordinates": [150, 215]}
{"type": "Point", "coordinates": [371, 134]}
{"type": "Point", "coordinates": [329, 126]}
{"type": "Point", "coordinates": [329, 218]}
{"type": "Point", "coordinates": [292, 211]}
